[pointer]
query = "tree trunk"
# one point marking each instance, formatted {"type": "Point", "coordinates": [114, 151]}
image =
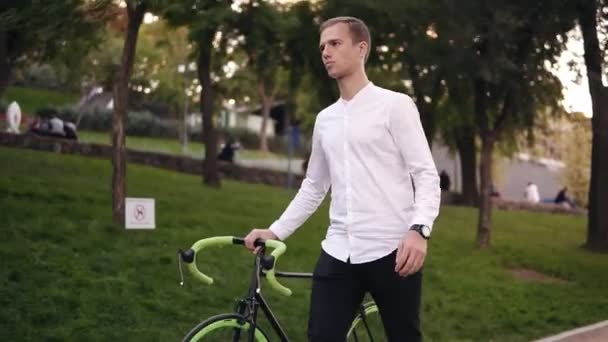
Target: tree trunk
{"type": "Point", "coordinates": [266, 102]}
{"type": "Point", "coordinates": [485, 203]}
{"type": "Point", "coordinates": [121, 100]}
{"type": "Point", "coordinates": [210, 172]}
{"type": "Point", "coordinates": [6, 63]}
{"type": "Point", "coordinates": [468, 165]}
{"type": "Point", "coordinates": [485, 166]}
{"type": "Point", "coordinates": [597, 229]}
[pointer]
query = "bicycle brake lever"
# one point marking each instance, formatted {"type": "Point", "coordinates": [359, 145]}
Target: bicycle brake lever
{"type": "Point", "coordinates": [179, 267]}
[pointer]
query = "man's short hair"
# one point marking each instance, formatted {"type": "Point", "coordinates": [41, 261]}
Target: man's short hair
{"type": "Point", "coordinates": [358, 30]}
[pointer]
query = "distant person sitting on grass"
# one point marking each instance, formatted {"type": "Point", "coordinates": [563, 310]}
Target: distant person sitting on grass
{"type": "Point", "coordinates": [228, 150]}
{"type": "Point", "coordinates": [563, 199]}
{"type": "Point", "coordinates": [47, 123]}
{"type": "Point", "coordinates": [531, 193]}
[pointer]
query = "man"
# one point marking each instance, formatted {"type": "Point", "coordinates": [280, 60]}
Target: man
{"type": "Point", "coordinates": [369, 147]}
{"type": "Point", "coordinates": [444, 181]}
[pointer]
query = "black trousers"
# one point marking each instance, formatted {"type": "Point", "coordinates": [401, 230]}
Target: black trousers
{"type": "Point", "coordinates": [338, 289]}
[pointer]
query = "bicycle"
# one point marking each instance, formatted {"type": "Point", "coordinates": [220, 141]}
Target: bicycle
{"type": "Point", "coordinates": [241, 325]}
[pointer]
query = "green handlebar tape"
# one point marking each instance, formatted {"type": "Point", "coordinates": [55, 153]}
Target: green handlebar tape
{"type": "Point", "coordinates": [279, 249]}
{"type": "Point", "coordinates": [278, 246]}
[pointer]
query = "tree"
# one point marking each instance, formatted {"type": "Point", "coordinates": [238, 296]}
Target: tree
{"type": "Point", "coordinates": [301, 53]}
{"type": "Point", "coordinates": [458, 132]}
{"type": "Point", "coordinates": [205, 21]}
{"type": "Point", "coordinates": [263, 28]}
{"type": "Point", "coordinates": [29, 34]}
{"type": "Point", "coordinates": [588, 12]}
{"type": "Point", "coordinates": [510, 43]}
{"type": "Point", "coordinates": [164, 52]}
{"type": "Point", "coordinates": [135, 10]}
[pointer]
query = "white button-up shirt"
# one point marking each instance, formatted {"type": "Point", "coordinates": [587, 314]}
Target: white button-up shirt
{"type": "Point", "coordinates": [372, 152]}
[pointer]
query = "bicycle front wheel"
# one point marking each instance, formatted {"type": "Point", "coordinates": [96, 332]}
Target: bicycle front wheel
{"type": "Point", "coordinates": [367, 326]}
{"type": "Point", "coordinates": [224, 328]}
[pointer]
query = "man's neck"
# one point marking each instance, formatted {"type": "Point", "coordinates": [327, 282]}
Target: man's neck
{"type": "Point", "coordinates": [352, 84]}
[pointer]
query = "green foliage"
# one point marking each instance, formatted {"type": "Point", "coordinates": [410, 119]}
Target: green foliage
{"type": "Point", "coordinates": [45, 30]}
{"type": "Point", "coordinates": [263, 27]}
{"type": "Point", "coordinates": [576, 149]}
{"type": "Point", "coordinates": [69, 274]}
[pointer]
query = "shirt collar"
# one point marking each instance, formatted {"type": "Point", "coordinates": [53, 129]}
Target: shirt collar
{"type": "Point", "coordinates": [361, 93]}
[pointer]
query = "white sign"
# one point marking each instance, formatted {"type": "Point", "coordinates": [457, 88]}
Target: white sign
{"type": "Point", "coordinates": [139, 213]}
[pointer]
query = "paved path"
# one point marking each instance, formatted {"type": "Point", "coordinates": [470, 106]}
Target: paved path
{"type": "Point", "coordinates": [278, 164]}
{"type": "Point", "coordinates": [592, 333]}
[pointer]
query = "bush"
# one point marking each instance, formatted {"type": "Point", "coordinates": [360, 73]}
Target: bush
{"type": "Point", "coordinates": [138, 123]}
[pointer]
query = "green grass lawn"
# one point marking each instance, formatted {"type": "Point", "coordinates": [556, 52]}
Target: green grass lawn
{"type": "Point", "coordinates": [66, 273]}
{"type": "Point", "coordinates": [163, 145]}
{"type": "Point", "coordinates": [32, 99]}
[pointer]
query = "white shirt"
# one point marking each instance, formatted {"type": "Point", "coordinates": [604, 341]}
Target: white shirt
{"type": "Point", "coordinates": [368, 149]}
{"type": "Point", "coordinates": [532, 194]}
{"type": "Point", "coordinates": [56, 125]}
{"type": "Point", "coordinates": [13, 117]}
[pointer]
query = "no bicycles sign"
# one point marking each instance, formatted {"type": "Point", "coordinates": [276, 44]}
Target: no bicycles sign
{"type": "Point", "coordinates": [139, 213]}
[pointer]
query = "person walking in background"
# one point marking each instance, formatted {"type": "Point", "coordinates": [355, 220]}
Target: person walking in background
{"type": "Point", "coordinates": [444, 181]}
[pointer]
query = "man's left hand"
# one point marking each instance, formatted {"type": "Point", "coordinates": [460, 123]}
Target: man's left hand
{"type": "Point", "coordinates": [410, 254]}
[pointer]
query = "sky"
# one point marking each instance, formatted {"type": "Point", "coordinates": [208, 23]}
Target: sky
{"type": "Point", "coordinates": [576, 95]}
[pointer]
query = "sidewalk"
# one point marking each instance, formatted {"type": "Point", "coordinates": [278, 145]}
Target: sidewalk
{"type": "Point", "coordinates": [277, 164]}
{"type": "Point", "coordinates": [597, 332]}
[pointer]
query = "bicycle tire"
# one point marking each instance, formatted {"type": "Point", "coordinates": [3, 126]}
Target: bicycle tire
{"type": "Point", "coordinates": [219, 327]}
{"type": "Point", "coordinates": [367, 327]}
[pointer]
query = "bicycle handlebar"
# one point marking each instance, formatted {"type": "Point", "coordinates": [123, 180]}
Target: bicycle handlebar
{"type": "Point", "coordinates": [278, 249]}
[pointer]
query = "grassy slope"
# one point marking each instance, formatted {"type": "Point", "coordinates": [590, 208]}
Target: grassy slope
{"type": "Point", "coordinates": [67, 274]}
{"type": "Point", "coordinates": [32, 99]}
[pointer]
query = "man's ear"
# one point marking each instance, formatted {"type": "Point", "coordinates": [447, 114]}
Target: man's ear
{"type": "Point", "coordinates": [363, 49]}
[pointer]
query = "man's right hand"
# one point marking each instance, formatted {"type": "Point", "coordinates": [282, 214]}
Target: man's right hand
{"type": "Point", "coordinates": [264, 234]}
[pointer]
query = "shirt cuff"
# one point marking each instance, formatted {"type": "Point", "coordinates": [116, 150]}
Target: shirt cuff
{"type": "Point", "coordinates": [279, 231]}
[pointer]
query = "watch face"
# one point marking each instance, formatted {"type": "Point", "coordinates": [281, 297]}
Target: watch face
{"type": "Point", "coordinates": [426, 231]}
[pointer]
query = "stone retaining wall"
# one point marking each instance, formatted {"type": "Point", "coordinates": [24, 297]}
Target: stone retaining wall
{"type": "Point", "coordinates": [160, 160]}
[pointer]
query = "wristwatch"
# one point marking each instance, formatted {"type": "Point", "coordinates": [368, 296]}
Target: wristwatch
{"type": "Point", "coordinates": [423, 230]}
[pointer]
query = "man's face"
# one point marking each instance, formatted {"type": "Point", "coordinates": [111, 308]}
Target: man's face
{"type": "Point", "coordinates": [339, 54]}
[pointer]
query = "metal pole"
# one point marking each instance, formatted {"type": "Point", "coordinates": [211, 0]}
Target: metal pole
{"type": "Point", "coordinates": [289, 157]}
{"type": "Point", "coordinates": [185, 144]}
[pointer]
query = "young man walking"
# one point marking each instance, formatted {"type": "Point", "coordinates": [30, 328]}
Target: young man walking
{"type": "Point", "coordinates": [370, 149]}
